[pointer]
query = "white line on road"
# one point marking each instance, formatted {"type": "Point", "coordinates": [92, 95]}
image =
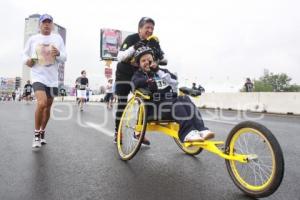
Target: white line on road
{"type": "Point", "coordinates": [100, 128]}
{"type": "Point", "coordinates": [111, 134]}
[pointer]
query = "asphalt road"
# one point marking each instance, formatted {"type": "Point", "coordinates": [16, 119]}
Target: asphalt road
{"type": "Point", "coordinates": [80, 160]}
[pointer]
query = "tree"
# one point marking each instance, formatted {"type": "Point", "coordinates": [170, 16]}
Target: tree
{"type": "Point", "coordinates": [294, 88]}
{"type": "Point", "coordinates": [271, 82]}
{"type": "Point", "coordinates": [260, 86]}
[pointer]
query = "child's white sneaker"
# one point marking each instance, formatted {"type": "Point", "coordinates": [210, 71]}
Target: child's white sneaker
{"type": "Point", "coordinates": [193, 136]}
{"type": "Point", "coordinates": [206, 134]}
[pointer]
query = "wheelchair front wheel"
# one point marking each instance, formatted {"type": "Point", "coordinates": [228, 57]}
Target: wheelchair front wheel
{"type": "Point", "coordinates": [264, 170]}
{"type": "Point", "coordinates": [192, 150]}
{"type": "Point", "coordinates": [132, 128]}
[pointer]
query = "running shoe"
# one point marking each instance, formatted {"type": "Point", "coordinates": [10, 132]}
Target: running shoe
{"type": "Point", "coordinates": [36, 143]}
{"type": "Point", "coordinates": [43, 140]}
{"type": "Point", "coordinates": [145, 140]}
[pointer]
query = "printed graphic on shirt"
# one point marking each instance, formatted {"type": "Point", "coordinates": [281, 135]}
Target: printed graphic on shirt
{"type": "Point", "coordinates": [82, 83]}
{"type": "Point", "coordinates": [82, 87]}
{"type": "Point", "coordinates": [124, 46]}
{"type": "Point", "coordinates": [28, 89]}
{"type": "Point", "coordinates": [44, 56]}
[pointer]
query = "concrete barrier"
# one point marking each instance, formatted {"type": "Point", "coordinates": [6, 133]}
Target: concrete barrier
{"type": "Point", "coordinates": [279, 102]}
{"type": "Point", "coordinates": [93, 98]}
{"type": "Point", "coordinates": [271, 102]}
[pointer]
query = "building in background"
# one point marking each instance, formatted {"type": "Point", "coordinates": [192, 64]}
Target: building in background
{"type": "Point", "coordinates": [18, 82]}
{"type": "Point", "coordinates": [32, 28]}
{"type": "Point", "coordinates": [7, 86]}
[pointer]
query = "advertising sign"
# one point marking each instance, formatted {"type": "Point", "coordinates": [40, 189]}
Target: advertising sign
{"type": "Point", "coordinates": [110, 43]}
{"type": "Point", "coordinates": [108, 72]}
{"type": "Point", "coordinates": [7, 84]}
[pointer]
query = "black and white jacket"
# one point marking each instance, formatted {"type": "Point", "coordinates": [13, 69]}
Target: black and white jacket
{"type": "Point", "coordinates": [165, 83]}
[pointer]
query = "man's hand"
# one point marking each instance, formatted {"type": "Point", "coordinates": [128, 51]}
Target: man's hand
{"type": "Point", "coordinates": [139, 44]}
{"type": "Point", "coordinates": [149, 80]}
{"type": "Point", "coordinates": [152, 43]}
{"type": "Point", "coordinates": [54, 51]}
{"type": "Point", "coordinates": [154, 66]}
{"type": "Point", "coordinates": [30, 62]}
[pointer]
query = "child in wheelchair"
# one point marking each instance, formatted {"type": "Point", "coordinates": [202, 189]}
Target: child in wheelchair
{"type": "Point", "coordinates": [165, 103]}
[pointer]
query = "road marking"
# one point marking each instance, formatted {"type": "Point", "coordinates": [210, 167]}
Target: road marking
{"type": "Point", "coordinates": [100, 128]}
{"type": "Point", "coordinates": [111, 134]}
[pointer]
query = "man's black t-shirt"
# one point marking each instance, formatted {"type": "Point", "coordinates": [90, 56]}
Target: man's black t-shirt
{"type": "Point", "coordinates": [82, 83]}
{"type": "Point", "coordinates": [249, 86]}
{"type": "Point", "coordinates": [62, 92]}
{"type": "Point", "coordinates": [28, 88]}
{"type": "Point", "coordinates": [125, 70]}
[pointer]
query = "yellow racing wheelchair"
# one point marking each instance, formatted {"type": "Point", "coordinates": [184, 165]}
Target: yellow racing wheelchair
{"type": "Point", "coordinates": [253, 156]}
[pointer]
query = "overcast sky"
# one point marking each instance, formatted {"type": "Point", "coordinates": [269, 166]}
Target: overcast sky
{"type": "Point", "coordinates": [217, 43]}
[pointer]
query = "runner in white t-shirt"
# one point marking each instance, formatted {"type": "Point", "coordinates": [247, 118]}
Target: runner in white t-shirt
{"type": "Point", "coordinates": [42, 53]}
{"type": "Point", "coordinates": [109, 93]}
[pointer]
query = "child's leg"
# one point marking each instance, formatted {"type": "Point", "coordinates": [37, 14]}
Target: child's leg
{"type": "Point", "coordinates": [181, 115]}
{"type": "Point", "coordinates": [193, 111]}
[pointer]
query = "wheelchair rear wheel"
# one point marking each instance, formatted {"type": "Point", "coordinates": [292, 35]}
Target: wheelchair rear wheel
{"type": "Point", "coordinates": [132, 128]}
{"type": "Point", "coordinates": [264, 170]}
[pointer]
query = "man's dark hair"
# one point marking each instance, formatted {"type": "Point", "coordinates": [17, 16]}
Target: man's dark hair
{"type": "Point", "coordinates": [145, 20]}
{"type": "Point", "coordinates": [83, 71]}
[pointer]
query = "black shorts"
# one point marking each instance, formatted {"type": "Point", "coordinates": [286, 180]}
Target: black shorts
{"type": "Point", "coordinates": [27, 94]}
{"type": "Point", "coordinates": [108, 97]}
{"type": "Point", "coordinates": [122, 88]}
{"type": "Point", "coordinates": [51, 92]}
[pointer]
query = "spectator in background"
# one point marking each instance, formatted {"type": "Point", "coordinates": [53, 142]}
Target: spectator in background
{"type": "Point", "coordinates": [201, 89]}
{"type": "Point", "coordinates": [109, 93]}
{"type": "Point", "coordinates": [88, 94]}
{"type": "Point", "coordinates": [194, 86]}
{"type": "Point", "coordinates": [102, 90]}
{"type": "Point", "coordinates": [28, 91]}
{"type": "Point", "coordinates": [82, 83]}
{"type": "Point", "coordinates": [13, 94]}
{"type": "Point", "coordinates": [62, 93]}
{"type": "Point", "coordinates": [18, 94]}
{"type": "Point", "coordinates": [77, 88]}
{"type": "Point", "coordinates": [115, 97]}
{"type": "Point", "coordinates": [248, 85]}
